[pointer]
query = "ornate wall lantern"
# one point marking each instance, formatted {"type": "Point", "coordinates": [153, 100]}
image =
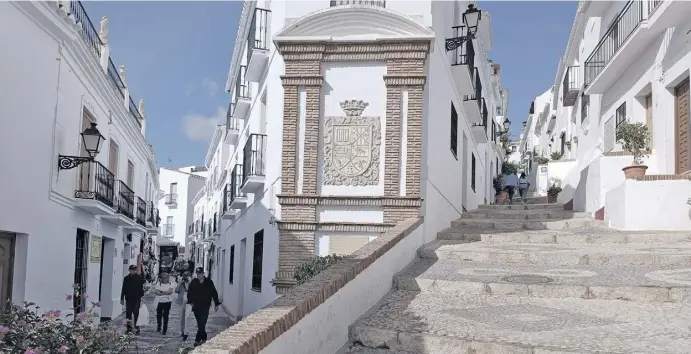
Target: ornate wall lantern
{"type": "Point", "coordinates": [471, 18]}
{"type": "Point", "coordinates": [92, 140]}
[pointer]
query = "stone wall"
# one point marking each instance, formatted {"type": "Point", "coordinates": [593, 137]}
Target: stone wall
{"type": "Point", "coordinates": [405, 63]}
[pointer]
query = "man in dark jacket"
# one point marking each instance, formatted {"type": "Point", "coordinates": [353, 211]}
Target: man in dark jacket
{"type": "Point", "coordinates": [200, 294]}
{"type": "Point", "coordinates": [131, 296]}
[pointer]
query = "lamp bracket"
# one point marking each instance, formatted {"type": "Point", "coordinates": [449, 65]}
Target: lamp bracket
{"type": "Point", "coordinates": [453, 43]}
{"type": "Point", "coordinates": [70, 162]}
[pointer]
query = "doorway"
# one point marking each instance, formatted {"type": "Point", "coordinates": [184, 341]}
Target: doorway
{"type": "Point", "coordinates": [6, 268]}
{"type": "Point", "coordinates": [81, 264]}
{"type": "Point", "coordinates": [464, 172]}
{"type": "Point", "coordinates": [681, 113]}
{"type": "Point", "coordinates": [241, 278]}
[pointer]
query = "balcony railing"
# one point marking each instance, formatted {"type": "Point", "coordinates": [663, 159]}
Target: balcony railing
{"type": "Point", "coordinates": [190, 229]}
{"type": "Point", "coordinates": [168, 230]}
{"type": "Point", "coordinates": [485, 114]}
{"type": "Point", "coordinates": [633, 13]}
{"type": "Point", "coordinates": [477, 95]}
{"type": "Point", "coordinates": [171, 198]}
{"type": "Point", "coordinates": [226, 197]}
{"type": "Point", "coordinates": [242, 86]}
{"type": "Point", "coordinates": [571, 86]}
{"type": "Point", "coordinates": [115, 79]}
{"type": "Point", "coordinates": [232, 123]}
{"type": "Point", "coordinates": [215, 224]}
{"type": "Point", "coordinates": [258, 37]}
{"type": "Point", "coordinates": [357, 2]}
{"type": "Point", "coordinates": [235, 183]}
{"type": "Point", "coordinates": [254, 156]}
{"type": "Point", "coordinates": [88, 31]}
{"type": "Point", "coordinates": [141, 211]}
{"type": "Point", "coordinates": [96, 182]}
{"type": "Point", "coordinates": [134, 112]}
{"type": "Point", "coordinates": [465, 53]}
{"type": "Point", "coordinates": [152, 214]}
{"type": "Point", "coordinates": [125, 200]}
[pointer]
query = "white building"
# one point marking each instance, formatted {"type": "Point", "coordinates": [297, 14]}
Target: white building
{"type": "Point", "coordinates": [67, 219]}
{"type": "Point", "coordinates": [624, 62]}
{"type": "Point", "coordinates": [431, 121]}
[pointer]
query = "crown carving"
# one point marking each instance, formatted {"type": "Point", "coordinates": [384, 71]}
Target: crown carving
{"type": "Point", "coordinates": [354, 108]}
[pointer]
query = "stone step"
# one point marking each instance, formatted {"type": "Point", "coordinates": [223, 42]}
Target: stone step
{"type": "Point", "coordinates": [643, 283]}
{"type": "Point", "coordinates": [570, 236]}
{"type": "Point", "coordinates": [654, 254]}
{"type": "Point", "coordinates": [359, 349]}
{"type": "Point", "coordinates": [543, 224]}
{"type": "Point", "coordinates": [519, 206]}
{"type": "Point", "coordinates": [423, 322]}
{"type": "Point", "coordinates": [548, 214]}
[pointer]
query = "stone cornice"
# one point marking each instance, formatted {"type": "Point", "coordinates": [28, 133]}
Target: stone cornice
{"type": "Point", "coordinates": [404, 80]}
{"type": "Point", "coordinates": [334, 226]}
{"type": "Point", "coordinates": [314, 80]}
{"type": "Point", "coordinates": [302, 199]}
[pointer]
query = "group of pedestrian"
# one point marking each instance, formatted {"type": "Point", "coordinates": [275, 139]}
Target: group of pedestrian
{"type": "Point", "coordinates": [194, 296]}
{"type": "Point", "coordinates": [512, 183]}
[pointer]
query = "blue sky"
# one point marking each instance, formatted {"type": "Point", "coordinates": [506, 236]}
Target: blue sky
{"type": "Point", "coordinates": [177, 56]}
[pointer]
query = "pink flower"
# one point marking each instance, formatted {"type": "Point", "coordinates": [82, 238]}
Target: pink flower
{"type": "Point", "coordinates": [30, 351]}
{"type": "Point", "coordinates": [85, 295]}
{"type": "Point", "coordinates": [4, 329]}
{"type": "Point", "coordinates": [80, 316]}
{"type": "Point", "coordinates": [80, 340]}
{"type": "Point", "coordinates": [68, 297]}
{"type": "Point", "coordinates": [98, 304]}
{"type": "Point", "coordinates": [63, 349]}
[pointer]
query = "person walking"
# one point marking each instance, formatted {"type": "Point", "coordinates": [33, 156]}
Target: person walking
{"type": "Point", "coordinates": [510, 185]}
{"type": "Point", "coordinates": [131, 297]}
{"type": "Point", "coordinates": [185, 308]}
{"type": "Point", "coordinates": [164, 298]}
{"type": "Point", "coordinates": [200, 294]}
{"type": "Point", "coordinates": [523, 185]}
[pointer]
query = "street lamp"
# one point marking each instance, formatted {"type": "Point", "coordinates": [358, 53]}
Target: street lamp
{"type": "Point", "coordinates": [471, 18]}
{"type": "Point", "coordinates": [92, 140]}
{"type": "Point", "coordinates": [507, 125]}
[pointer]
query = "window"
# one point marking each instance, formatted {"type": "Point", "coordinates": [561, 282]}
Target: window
{"type": "Point", "coordinates": [454, 131]}
{"type": "Point", "coordinates": [130, 174]}
{"type": "Point", "coordinates": [563, 142]}
{"type": "Point", "coordinates": [513, 148]}
{"type": "Point", "coordinates": [168, 227]}
{"type": "Point", "coordinates": [173, 188]}
{"type": "Point", "coordinates": [585, 106]}
{"type": "Point", "coordinates": [498, 111]}
{"type": "Point", "coordinates": [113, 158]}
{"type": "Point", "coordinates": [232, 264]}
{"type": "Point", "coordinates": [649, 115]}
{"type": "Point", "coordinates": [620, 114]}
{"type": "Point", "coordinates": [494, 131]}
{"type": "Point", "coordinates": [472, 171]}
{"type": "Point", "coordinates": [257, 259]}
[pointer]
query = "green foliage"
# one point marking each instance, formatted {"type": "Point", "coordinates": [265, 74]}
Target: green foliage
{"type": "Point", "coordinates": [314, 266]}
{"type": "Point", "coordinates": [498, 184]}
{"type": "Point", "coordinates": [541, 160]}
{"type": "Point", "coordinates": [26, 329]}
{"type": "Point", "coordinates": [635, 139]}
{"type": "Point", "coordinates": [554, 190]}
{"type": "Point", "coordinates": [556, 155]}
{"type": "Point", "coordinates": [508, 168]}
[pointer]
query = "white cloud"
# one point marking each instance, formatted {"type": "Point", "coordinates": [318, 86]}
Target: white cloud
{"type": "Point", "coordinates": [198, 127]}
{"type": "Point", "coordinates": [210, 86]}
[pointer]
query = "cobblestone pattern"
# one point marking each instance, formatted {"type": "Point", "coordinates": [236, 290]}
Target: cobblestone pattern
{"type": "Point", "coordinates": [148, 341]}
{"type": "Point", "coordinates": [405, 71]}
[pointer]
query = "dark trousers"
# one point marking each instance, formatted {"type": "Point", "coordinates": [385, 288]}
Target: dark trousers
{"type": "Point", "coordinates": [201, 315]}
{"type": "Point", "coordinates": [511, 190]}
{"type": "Point", "coordinates": [132, 313]}
{"type": "Point", "coordinates": [162, 312]}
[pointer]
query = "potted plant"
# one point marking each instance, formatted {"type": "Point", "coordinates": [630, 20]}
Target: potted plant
{"type": "Point", "coordinates": [634, 138]}
{"type": "Point", "coordinates": [541, 160]}
{"type": "Point", "coordinates": [556, 155]}
{"type": "Point", "coordinates": [553, 193]}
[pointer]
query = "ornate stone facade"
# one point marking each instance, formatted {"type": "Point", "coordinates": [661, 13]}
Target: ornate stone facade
{"type": "Point", "coordinates": [351, 147]}
{"type": "Point", "coordinates": [405, 65]}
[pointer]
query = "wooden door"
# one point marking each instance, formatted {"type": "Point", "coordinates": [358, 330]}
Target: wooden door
{"type": "Point", "coordinates": [681, 105]}
{"type": "Point", "coordinates": [113, 158]}
{"type": "Point", "coordinates": [6, 269]}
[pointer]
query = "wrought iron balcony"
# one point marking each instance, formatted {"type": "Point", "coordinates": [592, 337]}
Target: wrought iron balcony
{"type": "Point", "coordinates": [624, 24]}
{"type": "Point", "coordinates": [242, 86]}
{"type": "Point", "coordinates": [125, 199]}
{"type": "Point", "coordinates": [87, 29]}
{"type": "Point", "coordinates": [254, 160]}
{"type": "Point", "coordinates": [215, 222]}
{"type": "Point", "coordinates": [152, 215]}
{"type": "Point", "coordinates": [168, 230]}
{"type": "Point", "coordinates": [171, 199]}
{"type": "Point", "coordinates": [258, 37]}
{"type": "Point", "coordinates": [477, 94]}
{"type": "Point", "coordinates": [141, 211]}
{"type": "Point", "coordinates": [190, 229]}
{"type": "Point", "coordinates": [134, 112]}
{"type": "Point", "coordinates": [232, 123]}
{"type": "Point", "coordinates": [357, 2]}
{"type": "Point", "coordinates": [465, 53]}
{"type": "Point", "coordinates": [571, 86]}
{"type": "Point", "coordinates": [485, 114]}
{"type": "Point", "coordinates": [95, 182]}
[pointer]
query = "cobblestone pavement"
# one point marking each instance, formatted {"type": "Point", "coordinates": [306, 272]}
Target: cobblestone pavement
{"type": "Point", "coordinates": [149, 341]}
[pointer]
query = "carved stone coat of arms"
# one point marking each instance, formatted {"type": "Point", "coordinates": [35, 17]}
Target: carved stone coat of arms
{"type": "Point", "coordinates": [352, 147]}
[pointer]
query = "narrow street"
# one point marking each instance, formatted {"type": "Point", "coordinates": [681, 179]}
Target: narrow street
{"type": "Point", "coordinates": [150, 341]}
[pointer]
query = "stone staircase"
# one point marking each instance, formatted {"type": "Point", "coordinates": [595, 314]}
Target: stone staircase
{"type": "Point", "coordinates": [536, 279]}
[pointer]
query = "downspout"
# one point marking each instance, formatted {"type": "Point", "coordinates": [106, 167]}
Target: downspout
{"type": "Point", "coordinates": [55, 116]}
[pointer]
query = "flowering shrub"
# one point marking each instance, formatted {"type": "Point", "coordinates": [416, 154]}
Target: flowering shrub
{"type": "Point", "coordinates": [26, 330]}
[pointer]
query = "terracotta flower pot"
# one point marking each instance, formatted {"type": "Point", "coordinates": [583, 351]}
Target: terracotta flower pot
{"type": "Point", "coordinates": [551, 199]}
{"type": "Point", "coordinates": [634, 171]}
{"type": "Point", "coordinates": [501, 197]}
